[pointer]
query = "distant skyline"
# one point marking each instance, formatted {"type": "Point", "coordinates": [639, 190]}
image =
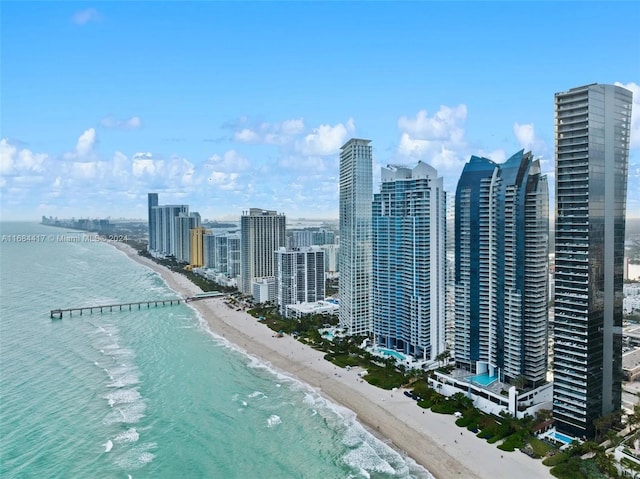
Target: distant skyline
{"type": "Point", "coordinates": [229, 106]}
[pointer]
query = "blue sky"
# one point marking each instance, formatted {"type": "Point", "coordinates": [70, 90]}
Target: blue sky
{"type": "Point", "coordinates": [227, 106]}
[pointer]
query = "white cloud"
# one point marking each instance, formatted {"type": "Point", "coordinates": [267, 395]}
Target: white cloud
{"type": "Point", "coordinates": [132, 123]}
{"type": "Point", "coordinates": [84, 146]}
{"type": "Point", "coordinates": [326, 139]}
{"type": "Point", "coordinates": [223, 181]}
{"type": "Point", "coordinates": [85, 170]}
{"type": "Point", "coordinates": [83, 17]}
{"type": "Point", "coordinates": [7, 153]}
{"type": "Point", "coordinates": [524, 134]}
{"type": "Point", "coordinates": [527, 139]}
{"type": "Point", "coordinates": [246, 136]}
{"type": "Point", "coordinates": [86, 142]}
{"type": "Point", "coordinates": [292, 127]}
{"type": "Point", "coordinates": [142, 167]}
{"type": "Point", "coordinates": [229, 161]}
{"type": "Point", "coordinates": [15, 162]}
{"type": "Point", "coordinates": [635, 112]}
{"type": "Point", "coordinates": [437, 140]}
{"type": "Point", "coordinates": [269, 133]}
{"type": "Point", "coordinates": [444, 125]}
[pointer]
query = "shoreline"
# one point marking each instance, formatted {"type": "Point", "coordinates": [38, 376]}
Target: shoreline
{"type": "Point", "coordinates": [431, 440]}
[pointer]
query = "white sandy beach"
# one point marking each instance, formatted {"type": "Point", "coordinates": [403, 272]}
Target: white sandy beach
{"type": "Point", "coordinates": [432, 440]}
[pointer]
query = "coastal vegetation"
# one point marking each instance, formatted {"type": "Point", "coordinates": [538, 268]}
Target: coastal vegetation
{"type": "Point", "coordinates": [203, 283]}
{"type": "Point", "coordinates": [587, 460]}
{"type": "Point", "coordinates": [579, 461]}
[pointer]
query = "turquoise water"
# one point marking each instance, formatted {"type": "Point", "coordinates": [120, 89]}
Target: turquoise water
{"type": "Point", "coordinates": [561, 437]}
{"type": "Point", "coordinates": [391, 352]}
{"type": "Point", "coordinates": [483, 379]}
{"type": "Point", "coordinates": [149, 393]}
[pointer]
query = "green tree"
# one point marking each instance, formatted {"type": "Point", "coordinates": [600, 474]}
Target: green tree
{"type": "Point", "coordinates": [443, 357]}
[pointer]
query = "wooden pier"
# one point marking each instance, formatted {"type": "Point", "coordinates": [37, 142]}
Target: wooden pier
{"type": "Point", "coordinates": [58, 313]}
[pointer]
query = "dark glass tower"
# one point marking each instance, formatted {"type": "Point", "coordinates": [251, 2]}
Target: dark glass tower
{"type": "Point", "coordinates": [501, 269]}
{"type": "Point", "coordinates": [592, 154]}
{"type": "Point", "coordinates": [153, 201]}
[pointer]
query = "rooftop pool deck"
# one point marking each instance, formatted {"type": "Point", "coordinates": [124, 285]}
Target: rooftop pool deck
{"type": "Point", "coordinates": [482, 379]}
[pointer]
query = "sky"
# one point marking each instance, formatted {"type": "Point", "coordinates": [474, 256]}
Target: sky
{"type": "Point", "coordinates": [227, 106]}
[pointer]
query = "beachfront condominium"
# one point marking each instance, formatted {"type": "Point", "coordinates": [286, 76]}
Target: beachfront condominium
{"type": "Point", "coordinates": [501, 269]}
{"type": "Point", "coordinates": [196, 246]}
{"type": "Point", "coordinates": [592, 125]}
{"type": "Point", "coordinates": [409, 261]}
{"type": "Point", "coordinates": [152, 200]}
{"type": "Point", "coordinates": [262, 232]}
{"type": "Point", "coordinates": [299, 276]}
{"type": "Point", "coordinates": [185, 222]}
{"type": "Point", "coordinates": [165, 226]}
{"type": "Point", "coordinates": [222, 253]}
{"type": "Point", "coordinates": [355, 284]}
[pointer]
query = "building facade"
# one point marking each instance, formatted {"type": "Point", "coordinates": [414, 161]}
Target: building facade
{"type": "Point", "coordinates": [196, 246]}
{"type": "Point", "coordinates": [152, 201]}
{"type": "Point", "coordinates": [409, 261]}
{"type": "Point", "coordinates": [165, 226]}
{"type": "Point", "coordinates": [185, 222]}
{"type": "Point", "coordinates": [262, 232]}
{"type": "Point", "coordinates": [501, 269]}
{"type": "Point", "coordinates": [592, 125]}
{"type": "Point", "coordinates": [330, 258]}
{"type": "Point", "coordinates": [355, 284]}
{"type": "Point", "coordinates": [299, 276]}
{"type": "Point", "coordinates": [209, 250]}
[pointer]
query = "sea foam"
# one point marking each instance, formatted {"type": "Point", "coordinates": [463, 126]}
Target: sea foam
{"type": "Point", "coordinates": [273, 420]}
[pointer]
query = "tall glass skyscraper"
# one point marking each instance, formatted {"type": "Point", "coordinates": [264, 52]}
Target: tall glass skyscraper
{"type": "Point", "coordinates": [262, 232]}
{"type": "Point", "coordinates": [152, 201]}
{"type": "Point", "coordinates": [165, 226]}
{"type": "Point", "coordinates": [354, 256]}
{"type": "Point", "coordinates": [501, 269]}
{"type": "Point", "coordinates": [409, 261]}
{"type": "Point", "coordinates": [592, 125]}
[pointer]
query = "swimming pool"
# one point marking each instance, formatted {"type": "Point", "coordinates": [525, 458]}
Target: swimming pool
{"type": "Point", "coordinates": [391, 352]}
{"type": "Point", "coordinates": [482, 379]}
{"type": "Point", "coordinates": [560, 437]}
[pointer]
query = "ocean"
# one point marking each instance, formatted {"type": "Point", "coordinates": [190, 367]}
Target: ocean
{"type": "Point", "coordinates": [149, 393]}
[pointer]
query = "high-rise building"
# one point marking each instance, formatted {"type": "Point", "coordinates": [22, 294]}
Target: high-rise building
{"type": "Point", "coordinates": [501, 269]}
{"type": "Point", "coordinates": [152, 201]}
{"type": "Point", "coordinates": [330, 258]}
{"type": "Point", "coordinates": [196, 246]}
{"type": "Point", "coordinates": [166, 227]}
{"type": "Point", "coordinates": [299, 276]}
{"type": "Point", "coordinates": [185, 222]}
{"type": "Point", "coordinates": [409, 261]}
{"type": "Point", "coordinates": [592, 125]}
{"type": "Point", "coordinates": [262, 232]}
{"type": "Point", "coordinates": [222, 253]}
{"type": "Point", "coordinates": [355, 284]}
{"type": "Point", "coordinates": [209, 250]}
{"type": "Point", "coordinates": [233, 255]}
{"type": "Point", "coordinates": [450, 288]}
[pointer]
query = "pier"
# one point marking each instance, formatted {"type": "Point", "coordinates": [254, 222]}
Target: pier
{"type": "Point", "coordinates": [58, 313]}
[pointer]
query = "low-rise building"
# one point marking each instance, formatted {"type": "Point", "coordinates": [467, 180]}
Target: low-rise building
{"type": "Point", "coordinates": [491, 396]}
{"type": "Point", "coordinates": [317, 307]}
